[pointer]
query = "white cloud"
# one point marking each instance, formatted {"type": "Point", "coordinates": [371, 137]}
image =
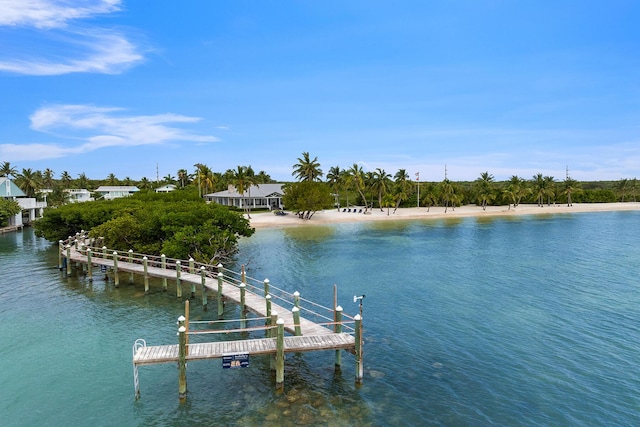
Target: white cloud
{"type": "Point", "coordinates": [48, 37]}
{"type": "Point", "coordinates": [95, 128]}
{"type": "Point", "coordinates": [48, 14]}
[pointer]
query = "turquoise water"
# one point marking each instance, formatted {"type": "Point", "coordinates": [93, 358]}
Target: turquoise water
{"type": "Point", "coordinates": [505, 321]}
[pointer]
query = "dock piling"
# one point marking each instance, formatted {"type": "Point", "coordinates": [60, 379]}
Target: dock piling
{"type": "Point", "coordinates": [219, 296]}
{"type": "Point", "coordinates": [145, 266]}
{"type": "Point", "coordinates": [178, 284]}
{"type": "Point", "coordinates": [163, 265]}
{"type": "Point", "coordinates": [280, 355]}
{"type": "Point", "coordinates": [359, 365]}
{"type": "Point", "coordinates": [338, 329]}
{"type": "Point", "coordinates": [203, 279]}
{"type": "Point", "coordinates": [116, 278]}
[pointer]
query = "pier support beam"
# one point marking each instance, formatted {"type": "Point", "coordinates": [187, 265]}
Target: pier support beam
{"type": "Point", "coordinates": [203, 280]}
{"type": "Point", "coordinates": [280, 355]}
{"type": "Point", "coordinates": [116, 278]}
{"type": "Point", "coordinates": [243, 306]}
{"type": "Point", "coordinates": [131, 279]}
{"type": "Point", "coordinates": [68, 260]}
{"type": "Point", "coordinates": [182, 363]}
{"type": "Point", "coordinates": [178, 284]}
{"type": "Point", "coordinates": [163, 265]}
{"type": "Point", "coordinates": [266, 287]}
{"type": "Point", "coordinates": [296, 320]}
{"type": "Point", "coordinates": [192, 270]}
{"type": "Point", "coordinates": [272, 333]}
{"type": "Point", "coordinates": [89, 265]}
{"type": "Point", "coordinates": [337, 328]}
{"type": "Point", "coordinates": [219, 296]}
{"type": "Point", "coordinates": [359, 364]}
{"type": "Point", "coordinates": [145, 267]}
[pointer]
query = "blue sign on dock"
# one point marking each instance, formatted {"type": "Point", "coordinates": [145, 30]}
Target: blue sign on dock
{"type": "Point", "coordinates": [235, 361]}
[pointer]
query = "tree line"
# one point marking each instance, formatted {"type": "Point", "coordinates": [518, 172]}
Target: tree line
{"type": "Point", "coordinates": [350, 186]}
{"type": "Point", "coordinates": [353, 186]}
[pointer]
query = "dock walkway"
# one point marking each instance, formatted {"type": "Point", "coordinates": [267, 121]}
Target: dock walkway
{"type": "Point", "coordinates": [331, 333]}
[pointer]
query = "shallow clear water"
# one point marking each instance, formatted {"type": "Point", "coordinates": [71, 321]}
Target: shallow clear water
{"type": "Point", "coordinates": [505, 321]}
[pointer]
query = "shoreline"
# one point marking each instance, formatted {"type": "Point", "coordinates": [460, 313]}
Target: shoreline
{"type": "Point", "coordinates": [269, 220]}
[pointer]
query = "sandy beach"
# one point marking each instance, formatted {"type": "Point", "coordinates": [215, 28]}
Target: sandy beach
{"type": "Point", "coordinates": [268, 219]}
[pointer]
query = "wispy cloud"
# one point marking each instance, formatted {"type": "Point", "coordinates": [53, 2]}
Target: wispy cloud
{"type": "Point", "coordinates": [50, 37]}
{"type": "Point", "coordinates": [91, 128]}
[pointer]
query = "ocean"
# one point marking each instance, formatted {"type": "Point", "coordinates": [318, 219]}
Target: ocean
{"type": "Point", "coordinates": [507, 321]}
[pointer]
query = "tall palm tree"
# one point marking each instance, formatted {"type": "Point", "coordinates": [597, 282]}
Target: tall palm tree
{"type": "Point", "coordinates": [448, 194]}
{"type": "Point", "coordinates": [83, 181]}
{"type": "Point", "coordinates": [356, 177]}
{"type": "Point", "coordinates": [622, 186]}
{"type": "Point", "coordinates": [169, 179]}
{"type": "Point", "coordinates": [243, 179]}
{"type": "Point", "coordinates": [112, 180]}
{"type": "Point", "coordinates": [47, 178]}
{"type": "Point", "coordinates": [539, 188]}
{"type": "Point", "coordinates": [66, 179]}
{"type": "Point", "coordinates": [485, 189]}
{"type": "Point", "coordinates": [380, 184]}
{"type": "Point", "coordinates": [7, 170]}
{"type": "Point", "coordinates": [570, 186]}
{"type": "Point", "coordinates": [29, 182]}
{"type": "Point", "coordinates": [335, 178]}
{"type": "Point", "coordinates": [307, 169]}
{"type": "Point", "coordinates": [144, 183]}
{"type": "Point", "coordinates": [183, 176]}
{"type": "Point", "coordinates": [263, 178]}
{"type": "Point", "coordinates": [402, 187]}
{"type": "Point", "coordinates": [205, 180]}
{"type": "Point", "coordinates": [550, 188]}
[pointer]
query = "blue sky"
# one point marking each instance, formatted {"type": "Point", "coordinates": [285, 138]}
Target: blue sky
{"type": "Point", "coordinates": [141, 89]}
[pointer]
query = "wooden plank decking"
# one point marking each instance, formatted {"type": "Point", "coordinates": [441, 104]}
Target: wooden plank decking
{"type": "Point", "coordinates": [214, 350]}
{"type": "Point", "coordinates": [254, 303]}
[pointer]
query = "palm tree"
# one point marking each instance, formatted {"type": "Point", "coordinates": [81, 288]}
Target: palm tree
{"type": "Point", "coordinates": [28, 182]}
{"type": "Point", "coordinates": [387, 201]}
{"type": "Point", "coordinates": [145, 184]}
{"type": "Point", "coordinates": [83, 181]}
{"type": "Point", "coordinates": [549, 186]}
{"type": "Point", "coordinates": [622, 186]}
{"type": "Point", "coordinates": [205, 179]}
{"type": "Point", "coordinates": [402, 187]}
{"type": "Point", "coordinates": [485, 189]}
{"type": "Point", "coordinates": [356, 177]}
{"type": "Point", "coordinates": [429, 196]}
{"type": "Point", "coordinates": [47, 178]}
{"type": "Point", "coordinates": [539, 189]}
{"type": "Point", "coordinates": [243, 178]}
{"type": "Point", "coordinates": [307, 169]}
{"type": "Point", "coordinates": [335, 178]}
{"type": "Point", "coordinates": [66, 179]}
{"type": "Point", "coordinates": [516, 190]}
{"type": "Point", "coordinates": [169, 179]}
{"type": "Point", "coordinates": [448, 193]}
{"type": "Point", "coordinates": [112, 180]}
{"type": "Point", "coordinates": [7, 170]}
{"type": "Point", "coordinates": [263, 178]}
{"type": "Point", "coordinates": [570, 186]}
{"type": "Point", "coordinates": [183, 177]}
{"type": "Point", "coordinates": [381, 181]}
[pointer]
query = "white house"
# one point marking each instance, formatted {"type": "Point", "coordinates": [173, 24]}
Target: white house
{"type": "Point", "coordinates": [166, 188]}
{"type": "Point", "coordinates": [261, 196]}
{"type": "Point", "coordinates": [77, 195]}
{"type": "Point", "coordinates": [31, 208]}
{"type": "Point", "coordinates": [109, 192]}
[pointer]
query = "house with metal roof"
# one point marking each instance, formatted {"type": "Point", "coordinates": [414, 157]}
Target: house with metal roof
{"type": "Point", "coordinates": [109, 192]}
{"type": "Point", "coordinates": [261, 196]}
{"type": "Point", "coordinates": [166, 188]}
{"type": "Point", "coordinates": [31, 208]}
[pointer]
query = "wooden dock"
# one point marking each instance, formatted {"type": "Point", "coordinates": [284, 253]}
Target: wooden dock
{"type": "Point", "coordinates": [331, 333]}
{"type": "Point", "coordinates": [152, 355]}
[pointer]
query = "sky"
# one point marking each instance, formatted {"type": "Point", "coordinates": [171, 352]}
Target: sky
{"type": "Point", "coordinates": [143, 89]}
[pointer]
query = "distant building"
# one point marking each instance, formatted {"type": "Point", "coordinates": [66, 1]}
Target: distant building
{"type": "Point", "coordinates": [166, 188]}
{"type": "Point", "coordinates": [77, 195]}
{"type": "Point", "coordinates": [260, 196]}
{"type": "Point", "coordinates": [109, 192]}
{"type": "Point", "coordinates": [31, 208]}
